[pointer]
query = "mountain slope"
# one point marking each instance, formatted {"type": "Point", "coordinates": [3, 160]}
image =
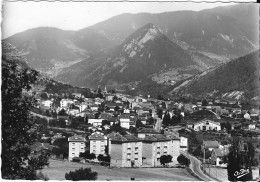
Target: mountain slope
{"type": "Point", "coordinates": [49, 49]}
{"type": "Point", "coordinates": [143, 53]}
{"type": "Point", "coordinates": [240, 75]}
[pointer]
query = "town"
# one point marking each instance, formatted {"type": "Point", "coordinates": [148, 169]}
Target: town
{"type": "Point", "coordinates": [121, 131]}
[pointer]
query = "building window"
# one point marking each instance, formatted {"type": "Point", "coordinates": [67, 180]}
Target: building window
{"type": "Point", "coordinates": [73, 144]}
{"type": "Point", "coordinates": [136, 148]}
{"type": "Point", "coordinates": [158, 152]}
{"type": "Point", "coordinates": [136, 159]}
{"type": "Point", "coordinates": [73, 154]}
{"type": "Point", "coordinates": [73, 149]}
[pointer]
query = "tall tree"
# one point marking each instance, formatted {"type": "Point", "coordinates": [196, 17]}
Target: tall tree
{"type": "Point", "coordinates": [240, 158]}
{"type": "Point", "coordinates": [17, 135]}
{"type": "Point", "coordinates": [166, 119]}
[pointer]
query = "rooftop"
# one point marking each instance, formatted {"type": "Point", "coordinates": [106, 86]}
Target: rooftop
{"type": "Point", "coordinates": [76, 138]}
{"type": "Point", "coordinates": [211, 144]}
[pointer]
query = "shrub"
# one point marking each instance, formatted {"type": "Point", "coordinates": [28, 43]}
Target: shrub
{"type": "Point", "coordinates": [81, 174]}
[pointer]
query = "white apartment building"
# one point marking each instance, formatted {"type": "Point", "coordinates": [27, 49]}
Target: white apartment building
{"type": "Point", "coordinates": [98, 143]}
{"type": "Point", "coordinates": [77, 144]}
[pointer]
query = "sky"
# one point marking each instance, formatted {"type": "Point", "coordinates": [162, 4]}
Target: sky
{"type": "Point", "coordinates": [20, 16]}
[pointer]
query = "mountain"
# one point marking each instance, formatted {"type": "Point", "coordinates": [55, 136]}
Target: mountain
{"type": "Point", "coordinates": [246, 15]}
{"type": "Point", "coordinates": [222, 34]}
{"type": "Point", "coordinates": [238, 79]}
{"type": "Point", "coordinates": [49, 49]}
{"type": "Point", "coordinates": [145, 52]}
{"type": "Point", "coordinates": [126, 49]}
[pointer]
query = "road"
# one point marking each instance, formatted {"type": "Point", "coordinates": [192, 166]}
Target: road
{"type": "Point", "coordinates": [158, 125]}
{"type": "Point", "coordinates": [40, 116]}
{"type": "Point", "coordinates": [195, 167]}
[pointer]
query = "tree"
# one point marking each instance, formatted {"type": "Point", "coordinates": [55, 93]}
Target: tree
{"type": "Point", "coordinates": [159, 97]}
{"type": "Point", "coordinates": [240, 157]}
{"type": "Point", "coordinates": [81, 174]}
{"type": "Point", "coordinates": [183, 160]}
{"type": "Point", "coordinates": [62, 113]}
{"type": "Point", "coordinates": [87, 155]}
{"type": "Point", "coordinates": [166, 119]}
{"type": "Point", "coordinates": [105, 122]}
{"type": "Point", "coordinates": [17, 136]}
{"type": "Point", "coordinates": [100, 157]}
{"type": "Point", "coordinates": [139, 123]}
{"type": "Point", "coordinates": [159, 113]}
{"type": "Point", "coordinates": [44, 96]}
{"type": "Point", "coordinates": [63, 146]}
{"type": "Point", "coordinates": [164, 159]}
{"type": "Point", "coordinates": [117, 108]}
{"type": "Point", "coordinates": [204, 102]}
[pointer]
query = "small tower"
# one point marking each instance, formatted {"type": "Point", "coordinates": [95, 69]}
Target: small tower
{"type": "Point", "coordinates": [105, 90]}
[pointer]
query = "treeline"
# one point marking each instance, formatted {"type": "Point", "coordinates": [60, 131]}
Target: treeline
{"type": "Point", "coordinates": [60, 88]}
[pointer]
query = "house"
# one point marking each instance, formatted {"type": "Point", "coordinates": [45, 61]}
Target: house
{"type": "Point", "coordinates": [113, 120]}
{"type": "Point", "coordinates": [210, 145]}
{"type": "Point", "coordinates": [66, 102]}
{"type": "Point", "coordinates": [73, 112]}
{"type": "Point", "coordinates": [140, 99]}
{"type": "Point", "coordinates": [142, 132]}
{"type": "Point", "coordinates": [47, 103]}
{"type": "Point", "coordinates": [98, 143]}
{"type": "Point", "coordinates": [94, 107]}
{"type": "Point", "coordinates": [95, 122]}
{"type": "Point", "coordinates": [77, 95]}
{"type": "Point", "coordinates": [83, 106]}
{"type": "Point", "coordinates": [109, 97]}
{"type": "Point", "coordinates": [249, 125]}
{"type": "Point", "coordinates": [132, 122]}
{"type": "Point", "coordinates": [217, 156]}
{"type": "Point", "coordinates": [183, 143]}
{"type": "Point", "coordinates": [111, 106]}
{"type": "Point", "coordinates": [204, 125]}
{"type": "Point", "coordinates": [77, 145]}
{"type": "Point", "coordinates": [125, 151]}
{"type": "Point", "coordinates": [125, 120]}
{"type": "Point", "coordinates": [105, 116]}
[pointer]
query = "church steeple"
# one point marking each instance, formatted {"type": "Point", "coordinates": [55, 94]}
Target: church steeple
{"type": "Point", "coordinates": [105, 90]}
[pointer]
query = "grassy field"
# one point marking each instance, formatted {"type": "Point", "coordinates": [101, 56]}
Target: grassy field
{"type": "Point", "coordinates": [57, 170]}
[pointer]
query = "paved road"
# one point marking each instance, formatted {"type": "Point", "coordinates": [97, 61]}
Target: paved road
{"type": "Point", "coordinates": [195, 167]}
